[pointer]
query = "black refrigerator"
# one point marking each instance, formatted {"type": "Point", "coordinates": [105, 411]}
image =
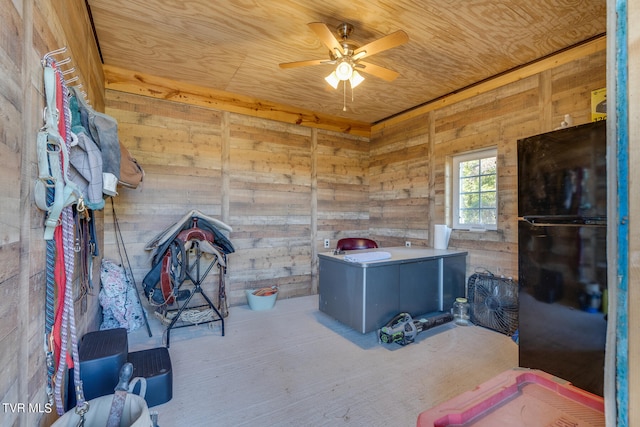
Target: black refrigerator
{"type": "Point", "coordinates": [562, 253]}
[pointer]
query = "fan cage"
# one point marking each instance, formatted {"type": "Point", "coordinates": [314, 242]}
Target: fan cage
{"type": "Point", "coordinates": [493, 302]}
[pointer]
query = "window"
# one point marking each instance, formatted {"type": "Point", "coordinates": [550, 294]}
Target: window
{"type": "Point", "coordinates": [475, 190]}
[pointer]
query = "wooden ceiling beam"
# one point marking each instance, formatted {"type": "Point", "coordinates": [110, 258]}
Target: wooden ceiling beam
{"type": "Point", "coordinates": [123, 80]}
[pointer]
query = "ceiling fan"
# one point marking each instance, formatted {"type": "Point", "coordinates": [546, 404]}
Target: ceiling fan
{"type": "Point", "coordinates": [348, 58]}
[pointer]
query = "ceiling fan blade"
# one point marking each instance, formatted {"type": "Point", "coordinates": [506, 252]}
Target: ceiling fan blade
{"type": "Point", "coordinates": [387, 42]}
{"type": "Point", "coordinates": [376, 70]}
{"type": "Point", "coordinates": [326, 36]}
{"type": "Point", "coordinates": [305, 63]}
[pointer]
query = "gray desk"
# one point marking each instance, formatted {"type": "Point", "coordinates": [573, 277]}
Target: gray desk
{"type": "Point", "coordinates": [365, 296]}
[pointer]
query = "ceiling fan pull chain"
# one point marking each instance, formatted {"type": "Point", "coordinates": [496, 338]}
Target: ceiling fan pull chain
{"type": "Point", "coordinates": [344, 96]}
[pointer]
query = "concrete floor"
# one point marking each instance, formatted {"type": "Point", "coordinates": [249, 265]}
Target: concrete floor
{"type": "Point", "coordinates": [293, 365]}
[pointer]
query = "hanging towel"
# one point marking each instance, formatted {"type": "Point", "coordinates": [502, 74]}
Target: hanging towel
{"type": "Point", "coordinates": [367, 256]}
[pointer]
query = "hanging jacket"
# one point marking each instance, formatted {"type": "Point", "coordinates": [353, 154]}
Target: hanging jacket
{"type": "Point", "coordinates": [85, 159]}
{"type": "Point", "coordinates": [104, 132]}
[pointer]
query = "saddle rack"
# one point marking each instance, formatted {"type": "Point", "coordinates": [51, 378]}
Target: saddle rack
{"type": "Point", "coordinates": [184, 274]}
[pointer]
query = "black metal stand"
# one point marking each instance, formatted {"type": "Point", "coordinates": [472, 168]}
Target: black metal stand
{"type": "Point", "coordinates": [196, 278]}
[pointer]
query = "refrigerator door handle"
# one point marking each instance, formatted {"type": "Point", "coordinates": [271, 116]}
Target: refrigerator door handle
{"type": "Point", "coordinates": [556, 224]}
{"type": "Point", "coordinates": [564, 221]}
{"type": "Point", "coordinates": [541, 222]}
{"type": "Point", "coordinates": [526, 219]}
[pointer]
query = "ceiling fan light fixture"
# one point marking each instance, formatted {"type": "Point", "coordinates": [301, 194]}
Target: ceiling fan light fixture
{"type": "Point", "coordinates": [355, 79]}
{"type": "Point", "coordinates": [344, 70]}
{"type": "Point", "coordinates": [346, 56]}
{"type": "Point", "coordinates": [333, 80]}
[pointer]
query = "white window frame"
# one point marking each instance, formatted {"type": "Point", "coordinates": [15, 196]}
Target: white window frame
{"type": "Point", "coordinates": [455, 202]}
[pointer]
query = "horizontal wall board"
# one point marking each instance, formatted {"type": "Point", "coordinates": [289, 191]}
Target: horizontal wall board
{"type": "Point", "coordinates": [122, 80]}
{"type": "Point", "coordinates": [9, 264]}
{"type": "Point", "coordinates": [151, 112]}
{"type": "Point", "coordinates": [9, 382]}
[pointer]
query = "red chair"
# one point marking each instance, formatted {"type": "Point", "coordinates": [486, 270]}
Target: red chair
{"type": "Point", "coordinates": [351, 243]}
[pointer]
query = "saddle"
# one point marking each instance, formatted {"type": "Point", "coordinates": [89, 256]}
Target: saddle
{"type": "Point", "coordinates": [170, 262]}
{"type": "Point", "coordinates": [170, 255]}
{"type": "Point", "coordinates": [173, 261]}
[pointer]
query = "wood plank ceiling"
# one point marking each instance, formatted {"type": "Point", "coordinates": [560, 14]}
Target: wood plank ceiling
{"type": "Point", "coordinates": [235, 46]}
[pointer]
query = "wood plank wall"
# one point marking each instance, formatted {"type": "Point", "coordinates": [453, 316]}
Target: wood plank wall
{"type": "Point", "coordinates": [15, 285]}
{"type": "Point", "coordinates": [269, 206]}
{"type": "Point", "coordinates": [285, 188]}
{"type": "Point", "coordinates": [29, 29]}
{"type": "Point", "coordinates": [400, 178]}
{"type": "Point", "coordinates": [261, 177]}
{"type": "Point", "coordinates": [410, 160]}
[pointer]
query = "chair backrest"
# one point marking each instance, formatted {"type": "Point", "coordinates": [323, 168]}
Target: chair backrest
{"type": "Point", "coordinates": [351, 243]}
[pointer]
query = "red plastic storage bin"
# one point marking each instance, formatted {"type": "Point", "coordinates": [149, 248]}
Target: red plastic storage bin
{"type": "Point", "coordinates": [519, 397]}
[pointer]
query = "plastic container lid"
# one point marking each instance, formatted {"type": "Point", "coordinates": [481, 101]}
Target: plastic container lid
{"type": "Point", "coordinates": [519, 397]}
{"type": "Point", "coordinates": [461, 300]}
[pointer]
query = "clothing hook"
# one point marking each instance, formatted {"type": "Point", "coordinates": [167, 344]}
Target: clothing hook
{"type": "Point", "coordinates": [52, 53]}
